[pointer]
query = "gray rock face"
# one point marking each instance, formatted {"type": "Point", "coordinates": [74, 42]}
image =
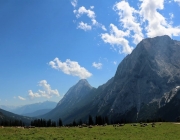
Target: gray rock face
{"type": "Point", "coordinates": [150, 72]}
{"type": "Point", "coordinates": [75, 93]}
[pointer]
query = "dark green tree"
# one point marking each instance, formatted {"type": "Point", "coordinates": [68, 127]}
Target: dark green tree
{"type": "Point", "coordinates": [60, 122]}
{"type": "Point", "coordinates": [91, 122]}
{"type": "Point", "coordinates": [74, 123]}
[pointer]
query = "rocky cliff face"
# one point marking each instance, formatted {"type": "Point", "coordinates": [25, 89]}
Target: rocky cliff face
{"type": "Point", "coordinates": [171, 109]}
{"type": "Point", "coordinates": [143, 78]}
{"type": "Point", "coordinates": [76, 93]}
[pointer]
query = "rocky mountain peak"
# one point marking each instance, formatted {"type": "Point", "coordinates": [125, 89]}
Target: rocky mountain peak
{"type": "Point", "coordinates": [76, 92]}
{"type": "Point", "coordinates": [144, 76]}
{"type": "Point", "coordinates": [83, 83]}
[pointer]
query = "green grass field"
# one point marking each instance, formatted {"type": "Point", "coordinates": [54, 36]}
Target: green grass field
{"type": "Point", "coordinates": [165, 131]}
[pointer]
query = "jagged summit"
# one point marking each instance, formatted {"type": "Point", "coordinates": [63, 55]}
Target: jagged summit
{"type": "Point", "coordinates": [76, 92]}
{"type": "Point", "coordinates": [83, 82]}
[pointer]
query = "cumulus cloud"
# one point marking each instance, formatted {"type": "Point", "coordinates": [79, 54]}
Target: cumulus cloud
{"type": "Point", "coordinates": [82, 10]}
{"type": "Point", "coordinates": [97, 65]}
{"type": "Point", "coordinates": [135, 24]}
{"type": "Point", "coordinates": [128, 19]}
{"type": "Point", "coordinates": [21, 98]}
{"type": "Point", "coordinates": [84, 26]}
{"type": "Point", "coordinates": [157, 23]}
{"type": "Point", "coordinates": [91, 14]}
{"type": "Point", "coordinates": [47, 92]}
{"type": "Point", "coordinates": [117, 37]}
{"type": "Point", "coordinates": [33, 95]}
{"type": "Point", "coordinates": [70, 67]}
{"type": "Point", "coordinates": [74, 3]}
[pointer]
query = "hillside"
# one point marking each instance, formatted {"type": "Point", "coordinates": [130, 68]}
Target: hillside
{"type": "Point", "coordinates": [8, 116]}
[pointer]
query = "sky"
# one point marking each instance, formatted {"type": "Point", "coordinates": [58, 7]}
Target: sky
{"type": "Point", "coordinates": [47, 46]}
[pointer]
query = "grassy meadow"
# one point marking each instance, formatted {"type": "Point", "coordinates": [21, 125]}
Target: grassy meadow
{"type": "Point", "coordinates": [162, 131]}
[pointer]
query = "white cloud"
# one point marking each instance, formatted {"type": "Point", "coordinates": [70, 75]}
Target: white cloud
{"type": "Point", "coordinates": [157, 23]}
{"type": "Point", "coordinates": [97, 65]}
{"type": "Point", "coordinates": [70, 67]}
{"type": "Point", "coordinates": [21, 98]}
{"type": "Point", "coordinates": [178, 1]}
{"type": "Point", "coordinates": [115, 62]}
{"type": "Point", "coordinates": [129, 22]}
{"type": "Point", "coordinates": [91, 14]}
{"type": "Point", "coordinates": [84, 26]}
{"type": "Point", "coordinates": [92, 7]}
{"type": "Point", "coordinates": [33, 95]}
{"type": "Point", "coordinates": [47, 92]}
{"type": "Point", "coordinates": [74, 3]}
{"type": "Point", "coordinates": [104, 28]}
{"type": "Point", "coordinates": [133, 23]}
{"type": "Point", "coordinates": [82, 10]}
{"type": "Point", "coordinates": [117, 38]}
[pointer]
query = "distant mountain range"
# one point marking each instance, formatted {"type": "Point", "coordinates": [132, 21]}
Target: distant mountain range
{"type": "Point", "coordinates": [32, 110]}
{"type": "Point", "coordinates": [145, 86]}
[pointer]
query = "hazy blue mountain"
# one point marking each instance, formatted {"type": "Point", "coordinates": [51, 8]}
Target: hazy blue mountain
{"type": "Point", "coordinates": [7, 107]}
{"type": "Point", "coordinates": [38, 113]}
{"type": "Point", "coordinates": [31, 108]}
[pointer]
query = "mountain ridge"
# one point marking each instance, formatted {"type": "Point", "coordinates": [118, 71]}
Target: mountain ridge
{"type": "Point", "coordinates": [30, 108]}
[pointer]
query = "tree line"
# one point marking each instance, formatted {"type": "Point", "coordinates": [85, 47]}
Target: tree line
{"type": "Point", "coordinates": [97, 120]}
{"type": "Point", "coordinates": [46, 123]}
{"type": "Point", "coordinates": [11, 123]}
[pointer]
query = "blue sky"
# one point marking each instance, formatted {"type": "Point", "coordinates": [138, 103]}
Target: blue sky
{"type": "Point", "coordinates": [46, 46]}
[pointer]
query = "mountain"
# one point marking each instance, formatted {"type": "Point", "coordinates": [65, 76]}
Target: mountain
{"type": "Point", "coordinates": [151, 71]}
{"type": "Point", "coordinates": [71, 100]}
{"type": "Point", "coordinates": [8, 116]}
{"type": "Point", "coordinates": [38, 113]}
{"type": "Point", "coordinates": [7, 107]}
{"type": "Point", "coordinates": [142, 78]}
{"type": "Point", "coordinates": [143, 87]}
{"type": "Point", "coordinates": [31, 108]}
